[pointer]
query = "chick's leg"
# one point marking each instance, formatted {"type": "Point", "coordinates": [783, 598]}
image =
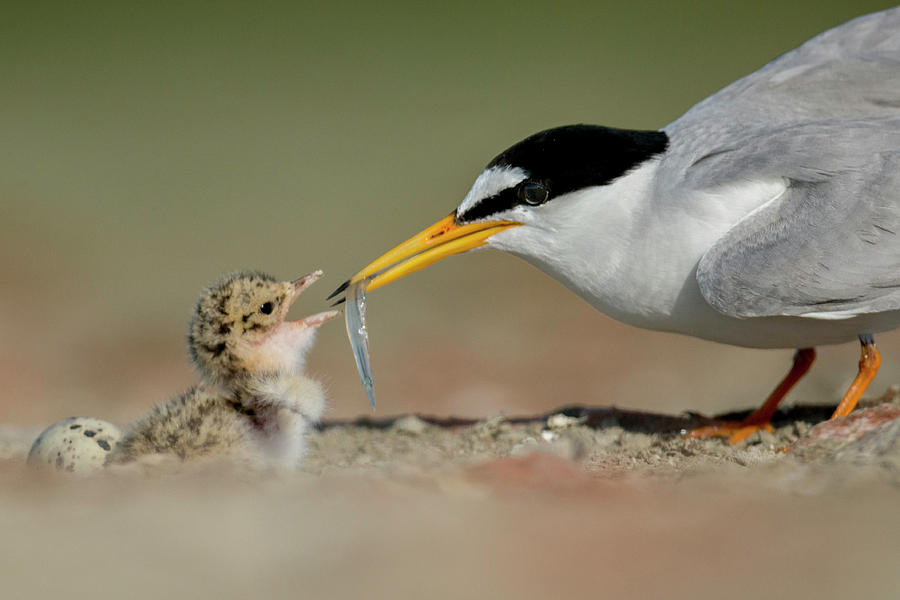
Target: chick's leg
{"type": "Point", "coordinates": [285, 408]}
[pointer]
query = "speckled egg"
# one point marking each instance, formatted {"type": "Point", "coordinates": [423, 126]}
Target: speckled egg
{"type": "Point", "coordinates": [76, 445]}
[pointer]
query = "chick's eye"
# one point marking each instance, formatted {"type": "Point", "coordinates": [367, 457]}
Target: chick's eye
{"type": "Point", "coordinates": [266, 308]}
{"type": "Point", "coordinates": [533, 192]}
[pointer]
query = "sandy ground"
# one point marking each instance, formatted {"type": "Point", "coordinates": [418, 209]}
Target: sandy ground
{"type": "Point", "coordinates": [150, 151]}
{"type": "Point", "coordinates": [602, 503]}
{"type": "Point", "coordinates": [576, 503]}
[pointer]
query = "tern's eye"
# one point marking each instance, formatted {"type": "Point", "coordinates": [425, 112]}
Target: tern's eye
{"type": "Point", "coordinates": [533, 192]}
{"type": "Point", "coordinates": [266, 308]}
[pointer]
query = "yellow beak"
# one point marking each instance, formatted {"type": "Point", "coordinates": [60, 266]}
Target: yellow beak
{"type": "Point", "coordinates": [444, 238]}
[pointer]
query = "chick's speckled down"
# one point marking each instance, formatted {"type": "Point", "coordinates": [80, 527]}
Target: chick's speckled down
{"type": "Point", "coordinates": [253, 404]}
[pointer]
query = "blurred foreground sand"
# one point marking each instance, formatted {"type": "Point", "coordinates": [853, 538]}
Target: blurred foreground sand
{"type": "Point", "coordinates": [488, 511]}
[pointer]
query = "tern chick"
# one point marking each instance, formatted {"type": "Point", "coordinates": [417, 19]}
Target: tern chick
{"type": "Point", "coordinates": [253, 404]}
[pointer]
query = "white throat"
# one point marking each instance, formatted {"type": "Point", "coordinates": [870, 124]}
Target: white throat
{"type": "Point", "coordinates": [613, 244]}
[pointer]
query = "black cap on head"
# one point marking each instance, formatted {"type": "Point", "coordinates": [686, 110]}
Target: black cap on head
{"type": "Point", "coordinates": [564, 159]}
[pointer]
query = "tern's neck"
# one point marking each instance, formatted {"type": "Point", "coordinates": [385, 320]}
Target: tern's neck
{"type": "Point", "coordinates": [630, 251]}
{"type": "Point", "coordinates": [603, 243]}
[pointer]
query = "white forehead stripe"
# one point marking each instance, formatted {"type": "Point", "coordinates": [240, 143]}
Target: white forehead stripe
{"type": "Point", "coordinates": [490, 182]}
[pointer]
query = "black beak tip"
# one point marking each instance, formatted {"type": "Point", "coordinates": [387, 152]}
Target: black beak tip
{"type": "Point", "coordinates": [339, 302]}
{"type": "Point", "coordinates": [340, 289]}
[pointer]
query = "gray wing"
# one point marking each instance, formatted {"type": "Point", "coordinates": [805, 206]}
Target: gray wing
{"type": "Point", "coordinates": [851, 71]}
{"type": "Point", "coordinates": [825, 118]}
{"type": "Point", "coordinates": [830, 242]}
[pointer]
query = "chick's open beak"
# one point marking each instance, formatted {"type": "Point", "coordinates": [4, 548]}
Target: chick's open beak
{"type": "Point", "coordinates": [299, 286]}
{"type": "Point", "coordinates": [444, 238]}
{"type": "Point", "coordinates": [304, 282]}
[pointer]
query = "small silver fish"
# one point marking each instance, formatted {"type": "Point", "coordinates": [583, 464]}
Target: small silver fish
{"type": "Point", "coordinates": [355, 318]}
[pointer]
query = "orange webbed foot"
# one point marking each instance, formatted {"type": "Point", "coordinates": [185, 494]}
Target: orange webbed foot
{"type": "Point", "coordinates": [738, 431]}
{"type": "Point", "coordinates": [735, 431]}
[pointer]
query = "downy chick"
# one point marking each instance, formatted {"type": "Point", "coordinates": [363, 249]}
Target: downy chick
{"type": "Point", "coordinates": [253, 404]}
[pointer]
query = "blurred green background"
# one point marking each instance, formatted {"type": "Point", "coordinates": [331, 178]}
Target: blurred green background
{"type": "Point", "coordinates": [146, 149]}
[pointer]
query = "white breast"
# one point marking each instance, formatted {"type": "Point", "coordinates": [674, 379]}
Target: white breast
{"type": "Point", "coordinates": [631, 248]}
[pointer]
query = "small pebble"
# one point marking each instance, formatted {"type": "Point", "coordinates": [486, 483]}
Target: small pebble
{"type": "Point", "coordinates": [75, 445]}
{"type": "Point", "coordinates": [561, 421]}
{"type": "Point", "coordinates": [411, 425]}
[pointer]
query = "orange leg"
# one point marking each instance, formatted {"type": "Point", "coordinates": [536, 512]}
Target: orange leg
{"type": "Point", "coordinates": [737, 431]}
{"type": "Point", "coordinates": [869, 361]}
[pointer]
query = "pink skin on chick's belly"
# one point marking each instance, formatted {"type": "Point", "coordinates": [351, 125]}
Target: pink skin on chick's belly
{"type": "Point", "coordinates": [285, 348]}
